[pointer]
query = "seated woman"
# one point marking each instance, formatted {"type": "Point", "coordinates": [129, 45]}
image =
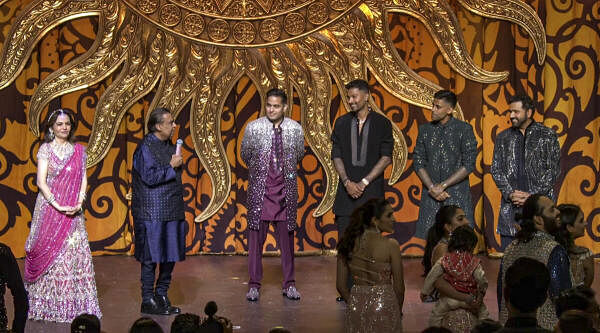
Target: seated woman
{"type": "Point", "coordinates": [447, 219]}
{"type": "Point", "coordinates": [463, 271]}
{"type": "Point", "coordinates": [375, 262]}
{"type": "Point", "coordinates": [572, 227]}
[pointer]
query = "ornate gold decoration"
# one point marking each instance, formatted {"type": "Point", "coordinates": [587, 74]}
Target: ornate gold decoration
{"type": "Point", "coordinates": [193, 24]}
{"type": "Point", "coordinates": [218, 30]}
{"type": "Point", "coordinates": [199, 49]}
{"type": "Point", "coordinates": [170, 15]}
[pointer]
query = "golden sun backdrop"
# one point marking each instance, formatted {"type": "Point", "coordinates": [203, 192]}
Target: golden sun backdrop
{"type": "Point", "coordinates": [211, 63]}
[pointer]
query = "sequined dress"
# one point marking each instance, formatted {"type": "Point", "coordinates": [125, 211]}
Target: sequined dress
{"type": "Point", "coordinates": [373, 305]}
{"type": "Point", "coordinates": [68, 288]}
{"type": "Point", "coordinates": [577, 262]}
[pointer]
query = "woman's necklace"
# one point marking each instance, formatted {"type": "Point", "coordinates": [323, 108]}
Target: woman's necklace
{"type": "Point", "coordinates": [61, 149]}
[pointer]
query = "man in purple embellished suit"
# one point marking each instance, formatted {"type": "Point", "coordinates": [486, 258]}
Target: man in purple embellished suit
{"type": "Point", "coordinates": [158, 211]}
{"type": "Point", "coordinates": [272, 147]}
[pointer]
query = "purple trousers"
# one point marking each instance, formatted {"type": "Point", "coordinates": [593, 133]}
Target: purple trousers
{"type": "Point", "coordinates": [256, 241]}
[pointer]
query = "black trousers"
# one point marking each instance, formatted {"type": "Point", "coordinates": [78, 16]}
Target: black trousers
{"type": "Point", "coordinates": [342, 223]}
{"type": "Point", "coordinates": [163, 282]}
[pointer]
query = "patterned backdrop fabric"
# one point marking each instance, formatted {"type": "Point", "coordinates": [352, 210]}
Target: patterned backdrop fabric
{"type": "Point", "coordinates": [566, 88]}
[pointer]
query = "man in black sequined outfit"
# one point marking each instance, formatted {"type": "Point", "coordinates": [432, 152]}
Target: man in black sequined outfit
{"type": "Point", "coordinates": [526, 160]}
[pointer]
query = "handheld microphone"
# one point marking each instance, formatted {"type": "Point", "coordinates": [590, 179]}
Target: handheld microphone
{"type": "Point", "coordinates": [178, 147]}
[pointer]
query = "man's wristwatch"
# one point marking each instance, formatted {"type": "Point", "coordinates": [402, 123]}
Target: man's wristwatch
{"type": "Point", "coordinates": [364, 181]}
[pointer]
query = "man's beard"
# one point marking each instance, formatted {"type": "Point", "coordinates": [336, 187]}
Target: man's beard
{"type": "Point", "coordinates": [519, 123]}
{"type": "Point", "coordinates": [550, 225]}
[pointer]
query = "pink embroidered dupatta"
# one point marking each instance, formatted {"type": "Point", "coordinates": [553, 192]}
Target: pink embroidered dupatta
{"type": "Point", "coordinates": [55, 226]}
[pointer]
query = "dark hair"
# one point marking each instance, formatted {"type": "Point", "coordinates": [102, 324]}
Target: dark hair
{"type": "Point", "coordinates": [156, 117]}
{"type": "Point", "coordinates": [463, 238]}
{"type": "Point", "coordinates": [359, 84]}
{"type": "Point", "coordinates": [576, 298]}
{"type": "Point", "coordinates": [359, 222]}
{"type": "Point", "coordinates": [530, 209]}
{"type": "Point", "coordinates": [446, 95]}
{"type": "Point", "coordinates": [279, 93]}
{"type": "Point", "coordinates": [576, 321]}
{"type": "Point", "coordinates": [568, 216]}
{"type": "Point", "coordinates": [145, 325]}
{"type": "Point", "coordinates": [436, 232]}
{"type": "Point", "coordinates": [51, 119]}
{"type": "Point", "coordinates": [525, 100]}
{"type": "Point", "coordinates": [85, 323]}
{"type": "Point", "coordinates": [211, 308]}
{"type": "Point", "coordinates": [186, 323]}
{"type": "Point", "coordinates": [526, 284]}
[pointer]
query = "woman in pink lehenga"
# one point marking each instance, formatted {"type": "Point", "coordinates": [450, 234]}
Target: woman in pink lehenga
{"type": "Point", "coordinates": [59, 274]}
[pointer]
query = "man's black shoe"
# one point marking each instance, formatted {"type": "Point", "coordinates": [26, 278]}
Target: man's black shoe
{"type": "Point", "coordinates": [151, 307]}
{"type": "Point", "coordinates": [163, 302]}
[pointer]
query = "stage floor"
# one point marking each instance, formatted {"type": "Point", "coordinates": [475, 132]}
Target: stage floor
{"type": "Point", "coordinates": [200, 279]}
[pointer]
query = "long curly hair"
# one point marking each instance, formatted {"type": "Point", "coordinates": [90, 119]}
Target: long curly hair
{"type": "Point", "coordinates": [568, 216]}
{"type": "Point", "coordinates": [360, 220]}
{"type": "Point", "coordinates": [443, 216]}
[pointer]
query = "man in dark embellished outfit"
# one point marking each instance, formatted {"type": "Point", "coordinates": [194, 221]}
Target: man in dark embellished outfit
{"type": "Point", "coordinates": [443, 158]}
{"type": "Point", "coordinates": [535, 240]}
{"type": "Point", "coordinates": [271, 148]}
{"type": "Point", "coordinates": [158, 211]}
{"type": "Point", "coordinates": [362, 147]}
{"type": "Point", "coordinates": [526, 160]}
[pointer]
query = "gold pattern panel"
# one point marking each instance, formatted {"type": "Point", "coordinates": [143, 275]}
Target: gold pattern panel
{"type": "Point", "coordinates": [249, 23]}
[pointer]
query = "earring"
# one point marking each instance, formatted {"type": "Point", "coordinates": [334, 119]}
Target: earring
{"type": "Point", "coordinates": [51, 134]}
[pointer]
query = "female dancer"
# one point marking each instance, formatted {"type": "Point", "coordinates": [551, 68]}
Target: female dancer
{"type": "Point", "coordinates": [375, 262]}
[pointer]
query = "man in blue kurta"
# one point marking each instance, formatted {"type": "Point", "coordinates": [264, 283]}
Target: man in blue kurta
{"type": "Point", "coordinates": [443, 158]}
{"type": "Point", "coordinates": [158, 211]}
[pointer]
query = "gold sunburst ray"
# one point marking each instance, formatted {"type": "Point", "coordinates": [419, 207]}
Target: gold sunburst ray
{"type": "Point", "coordinates": [206, 131]}
{"type": "Point", "coordinates": [33, 22]}
{"type": "Point", "coordinates": [93, 66]}
{"type": "Point", "coordinates": [315, 118]}
{"type": "Point", "coordinates": [137, 79]}
{"type": "Point", "coordinates": [515, 11]}
{"type": "Point", "coordinates": [450, 43]}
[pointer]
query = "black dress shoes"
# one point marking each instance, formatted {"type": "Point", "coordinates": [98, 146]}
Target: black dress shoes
{"type": "Point", "coordinates": [151, 307]}
{"type": "Point", "coordinates": [165, 304]}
